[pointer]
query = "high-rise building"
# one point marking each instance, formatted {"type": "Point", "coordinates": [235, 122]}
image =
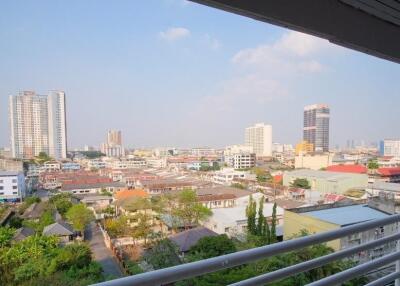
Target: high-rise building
{"type": "Point", "coordinates": [38, 124]}
{"type": "Point", "coordinates": [259, 137]}
{"type": "Point", "coordinates": [113, 146]}
{"type": "Point", "coordinates": [390, 147]}
{"type": "Point", "coordinates": [57, 124]}
{"type": "Point", "coordinates": [114, 137]}
{"type": "Point", "coordinates": [316, 126]}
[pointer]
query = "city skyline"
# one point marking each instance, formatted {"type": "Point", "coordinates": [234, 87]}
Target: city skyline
{"type": "Point", "coordinates": [221, 78]}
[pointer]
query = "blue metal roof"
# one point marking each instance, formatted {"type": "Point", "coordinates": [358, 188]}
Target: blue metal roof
{"type": "Point", "coordinates": [347, 215]}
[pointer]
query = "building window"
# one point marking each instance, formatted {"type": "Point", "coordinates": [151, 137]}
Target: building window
{"type": "Point", "coordinates": [14, 180]}
{"type": "Point", "coordinates": [15, 187]}
{"type": "Point", "coordinates": [1, 188]}
{"type": "Point", "coordinates": [1, 193]}
{"type": "Point", "coordinates": [15, 193]}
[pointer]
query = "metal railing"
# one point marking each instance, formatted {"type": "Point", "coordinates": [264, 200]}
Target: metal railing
{"type": "Point", "coordinates": [190, 270]}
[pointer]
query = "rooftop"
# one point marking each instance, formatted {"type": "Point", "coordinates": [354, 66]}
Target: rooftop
{"type": "Point", "coordinates": [322, 174]}
{"type": "Point", "coordinates": [356, 169]}
{"type": "Point", "coordinates": [390, 187]}
{"type": "Point", "coordinates": [186, 239]}
{"type": "Point", "coordinates": [129, 193]}
{"type": "Point", "coordinates": [9, 173]}
{"type": "Point", "coordinates": [348, 215]}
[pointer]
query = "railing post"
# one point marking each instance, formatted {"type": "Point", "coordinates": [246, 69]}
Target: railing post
{"type": "Point", "coordinates": [397, 281]}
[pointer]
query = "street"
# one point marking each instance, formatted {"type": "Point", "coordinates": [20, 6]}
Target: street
{"type": "Point", "coordinates": [101, 253]}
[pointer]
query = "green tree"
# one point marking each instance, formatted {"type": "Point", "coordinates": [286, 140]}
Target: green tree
{"type": "Point", "coordinates": [301, 183]}
{"type": "Point", "coordinates": [211, 246]}
{"type": "Point", "coordinates": [251, 212]}
{"type": "Point", "coordinates": [62, 202]}
{"type": "Point", "coordinates": [116, 227]}
{"type": "Point", "coordinates": [261, 219]}
{"type": "Point", "coordinates": [80, 216]}
{"type": "Point", "coordinates": [189, 209]}
{"type": "Point", "coordinates": [42, 158]}
{"type": "Point", "coordinates": [6, 234]}
{"type": "Point", "coordinates": [273, 225]}
{"type": "Point", "coordinates": [163, 254]}
{"type": "Point", "coordinates": [143, 227]}
{"type": "Point", "coordinates": [373, 164]}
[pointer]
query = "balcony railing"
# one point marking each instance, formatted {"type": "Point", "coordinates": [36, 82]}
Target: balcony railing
{"type": "Point", "coordinates": [190, 270]}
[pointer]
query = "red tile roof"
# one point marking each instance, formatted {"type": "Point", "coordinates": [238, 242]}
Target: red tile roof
{"type": "Point", "coordinates": [126, 193]}
{"type": "Point", "coordinates": [357, 169]}
{"type": "Point", "coordinates": [278, 178]}
{"type": "Point", "coordinates": [334, 197]}
{"type": "Point", "coordinates": [388, 172]}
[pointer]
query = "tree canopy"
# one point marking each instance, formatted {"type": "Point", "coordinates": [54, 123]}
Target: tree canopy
{"type": "Point", "coordinates": [80, 216]}
{"type": "Point", "coordinates": [301, 183]}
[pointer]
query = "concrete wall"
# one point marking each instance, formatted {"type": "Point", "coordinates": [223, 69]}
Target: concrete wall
{"type": "Point", "coordinates": [295, 223]}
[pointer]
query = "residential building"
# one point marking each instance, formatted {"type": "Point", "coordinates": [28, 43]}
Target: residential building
{"type": "Point", "coordinates": [52, 166]}
{"type": "Point", "coordinates": [242, 161]}
{"type": "Point", "coordinates": [326, 182]}
{"type": "Point", "coordinates": [91, 188]}
{"type": "Point", "coordinates": [313, 161]}
{"type": "Point", "coordinates": [232, 221]}
{"type": "Point", "coordinates": [114, 137]}
{"type": "Point", "coordinates": [237, 149]}
{"type": "Point", "coordinates": [11, 165]}
{"type": "Point", "coordinates": [316, 126]}
{"type": "Point", "coordinates": [12, 186]}
{"type": "Point", "coordinates": [259, 137]}
{"type": "Point", "coordinates": [227, 175]}
{"type": "Point", "coordinates": [220, 196]}
{"type": "Point", "coordinates": [324, 218]}
{"type": "Point", "coordinates": [304, 147]}
{"type": "Point", "coordinates": [240, 156]}
{"type": "Point", "coordinates": [38, 124]}
{"type": "Point", "coordinates": [70, 166]}
{"type": "Point", "coordinates": [384, 196]}
{"type": "Point", "coordinates": [57, 124]}
{"type": "Point", "coordinates": [113, 147]}
{"type": "Point", "coordinates": [390, 147]}
{"type": "Point", "coordinates": [203, 151]}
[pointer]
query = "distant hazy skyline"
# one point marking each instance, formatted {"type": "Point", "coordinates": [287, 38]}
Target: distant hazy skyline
{"type": "Point", "coordinates": [175, 73]}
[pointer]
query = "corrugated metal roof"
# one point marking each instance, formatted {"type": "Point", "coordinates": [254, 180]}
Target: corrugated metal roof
{"type": "Point", "coordinates": [347, 215]}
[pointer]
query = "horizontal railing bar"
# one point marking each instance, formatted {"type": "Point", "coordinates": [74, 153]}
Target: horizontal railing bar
{"type": "Point", "coordinates": [314, 263]}
{"type": "Point", "coordinates": [384, 280]}
{"type": "Point", "coordinates": [356, 270]}
{"type": "Point", "coordinates": [193, 269]}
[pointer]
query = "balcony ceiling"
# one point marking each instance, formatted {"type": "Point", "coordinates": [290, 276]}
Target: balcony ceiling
{"type": "Point", "coordinates": [368, 26]}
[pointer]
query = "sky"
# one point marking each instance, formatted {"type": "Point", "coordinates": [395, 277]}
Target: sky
{"type": "Point", "coordinates": [176, 73]}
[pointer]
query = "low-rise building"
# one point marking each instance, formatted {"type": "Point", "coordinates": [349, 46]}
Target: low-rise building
{"type": "Point", "coordinates": [324, 218]}
{"type": "Point", "coordinates": [313, 161]}
{"type": "Point", "coordinates": [241, 160]}
{"type": "Point", "coordinates": [52, 166]}
{"type": "Point", "coordinates": [12, 186]}
{"type": "Point", "coordinates": [227, 175]}
{"type": "Point", "coordinates": [233, 221]}
{"type": "Point", "coordinates": [91, 188]}
{"type": "Point", "coordinates": [70, 166]}
{"type": "Point", "coordinates": [326, 182]}
{"type": "Point", "coordinates": [13, 165]}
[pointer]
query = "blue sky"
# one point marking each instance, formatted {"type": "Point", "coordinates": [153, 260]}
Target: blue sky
{"type": "Point", "coordinates": [174, 73]}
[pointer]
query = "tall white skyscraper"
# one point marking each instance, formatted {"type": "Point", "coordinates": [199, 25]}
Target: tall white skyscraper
{"type": "Point", "coordinates": [259, 137]}
{"type": "Point", "coordinates": [38, 124]}
{"type": "Point", "coordinates": [316, 126]}
{"type": "Point", "coordinates": [57, 124]}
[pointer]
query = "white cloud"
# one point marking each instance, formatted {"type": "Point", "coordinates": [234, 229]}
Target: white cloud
{"type": "Point", "coordinates": [174, 33]}
{"type": "Point", "coordinates": [294, 51]}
